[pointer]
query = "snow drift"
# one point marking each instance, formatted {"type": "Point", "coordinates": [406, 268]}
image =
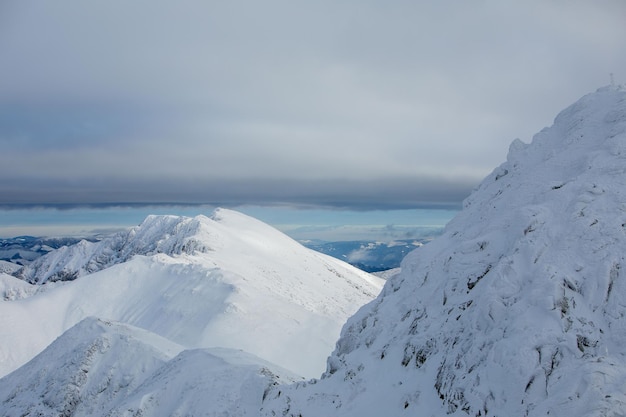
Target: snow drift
{"type": "Point", "coordinates": [518, 309]}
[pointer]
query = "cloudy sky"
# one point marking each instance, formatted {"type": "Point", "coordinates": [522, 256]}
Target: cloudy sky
{"type": "Point", "coordinates": [354, 103]}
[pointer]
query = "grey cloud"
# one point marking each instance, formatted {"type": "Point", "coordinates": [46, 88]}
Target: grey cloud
{"type": "Point", "coordinates": [339, 193]}
{"type": "Point", "coordinates": [66, 126]}
{"type": "Point", "coordinates": [332, 103]}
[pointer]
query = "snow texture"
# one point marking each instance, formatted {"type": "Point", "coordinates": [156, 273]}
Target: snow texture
{"type": "Point", "coordinates": [228, 281]}
{"type": "Point", "coordinates": [12, 288]}
{"type": "Point", "coordinates": [104, 368]}
{"type": "Point", "coordinates": [518, 309]}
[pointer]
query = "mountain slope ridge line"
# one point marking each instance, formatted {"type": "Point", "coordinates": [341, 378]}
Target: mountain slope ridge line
{"type": "Point", "coordinates": [248, 287]}
{"type": "Point", "coordinates": [517, 309]}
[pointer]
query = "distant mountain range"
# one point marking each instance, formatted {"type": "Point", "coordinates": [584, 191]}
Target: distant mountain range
{"type": "Point", "coordinates": [23, 250]}
{"type": "Point", "coordinates": [367, 255]}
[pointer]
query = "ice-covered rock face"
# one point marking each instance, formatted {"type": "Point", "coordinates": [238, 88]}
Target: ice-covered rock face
{"type": "Point", "coordinates": [518, 309]}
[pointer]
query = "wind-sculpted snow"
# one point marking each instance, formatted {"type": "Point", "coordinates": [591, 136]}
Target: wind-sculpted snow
{"type": "Point", "coordinates": [12, 288]}
{"type": "Point", "coordinates": [104, 368]}
{"type": "Point", "coordinates": [213, 382]}
{"type": "Point", "coordinates": [518, 309]}
{"type": "Point", "coordinates": [90, 367]}
{"type": "Point", "coordinates": [228, 281]}
{"type": "Point", "coordinates": [172, 235]}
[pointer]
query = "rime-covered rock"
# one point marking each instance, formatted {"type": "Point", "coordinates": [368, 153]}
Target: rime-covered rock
{"type": "Point", "coordinates": [517, 309]}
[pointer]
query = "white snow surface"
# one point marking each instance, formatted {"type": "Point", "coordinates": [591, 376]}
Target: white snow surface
{"type": "Point", "coordinates": [12, 288]}
{"type": "Point", "coordinates": [226, 281]}
{"type": "Point", "coordinates": [518, 309]}
{"type": "Point", "coordinates": [8, 267]}
{"type": "Point", "coordinates": [104, 368]}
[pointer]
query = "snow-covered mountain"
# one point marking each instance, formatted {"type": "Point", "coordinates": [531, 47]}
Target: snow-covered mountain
{"type": "Point", "coordinates": [170, 235]}
{"type": "Point", "coordinates": [22, 250]}
{"type": "Point", "coordinates": [228, 280]}
{"type": "Point", "coordinates": [518, 309]}
{"type": "Point", "coordinates": [104, 368]}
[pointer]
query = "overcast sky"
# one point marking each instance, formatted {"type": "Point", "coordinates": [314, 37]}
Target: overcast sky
{"type": "Point", "coordinates": [355, 103]}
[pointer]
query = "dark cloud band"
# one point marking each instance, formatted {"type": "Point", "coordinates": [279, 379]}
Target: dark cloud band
{"type": "Point", "coordinates": [356, 195]}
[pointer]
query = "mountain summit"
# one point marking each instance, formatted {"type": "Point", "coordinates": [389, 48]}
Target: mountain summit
{"type": "Point", "coordinates": [227, 280]}
{"type": "Point", "coordinates": [224, 230]}
{"type": "Point", "coordinates": [518, 309]}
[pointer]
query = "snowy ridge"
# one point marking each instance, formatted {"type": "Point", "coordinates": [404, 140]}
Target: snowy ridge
{"type": "Point", "coordinates": [171, 235]}
{"type": "Point", "coordinates": [228, 281]}
{"type": "Point", "coordinates": [218, 382]}
{"type": "Point", "coordinates": [104, 368]}
{"type": "Point", "coordinates": [8, 267]}
{"type": "Point", "coordinates": [517, 309]}
{"type": "Point", "coordinates": [12, 288]}
{"type": "Point", "coordinates": [85, 370]}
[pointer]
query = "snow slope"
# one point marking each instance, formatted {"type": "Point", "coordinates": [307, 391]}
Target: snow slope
{"type": "Point", "coordinates": [211, 382]}
{"type": "Point", "coordinates": [86, 370]}
{"type": "Point", "coordinates": [12, 288]}
{"type": "Point", "coordinates": [518, 309]}
{"type": "Point", "coordinates": [228, 281]}
{"type": "Point", "coordinates": [104, 368]}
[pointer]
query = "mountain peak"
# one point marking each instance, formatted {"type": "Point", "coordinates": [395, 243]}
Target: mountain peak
{"type": "Point", "coordinates": [517, 309]}
{"type": "Point", "coordinates": [106, 368]}
{"type": "Point", "coordinates": [167, 234]}
{"type": "Point", "coordinates": [227, 280]}
{"type": "Point", "coordinates": [86, 368]}
{"type": "Point", "coordinates": [593, 121]}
